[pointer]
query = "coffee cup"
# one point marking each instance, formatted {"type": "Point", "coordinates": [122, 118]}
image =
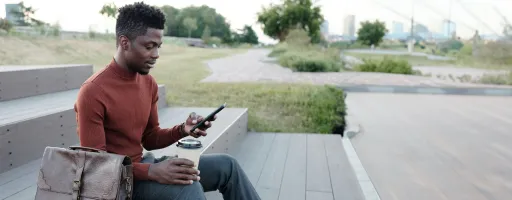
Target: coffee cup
{"type": "Point", "coordinates": [190, 149]}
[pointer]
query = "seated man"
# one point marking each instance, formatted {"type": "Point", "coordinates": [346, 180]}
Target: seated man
{"type": "Point", "coordinates": [116, 111]}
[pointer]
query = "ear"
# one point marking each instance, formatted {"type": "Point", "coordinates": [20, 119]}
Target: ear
{"type": "Point", "coordinates": [124, 42]}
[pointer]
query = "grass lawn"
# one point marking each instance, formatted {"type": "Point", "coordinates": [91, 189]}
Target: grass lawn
{"type": "Point", "coordinates": [424, 61]}
{"type": "Point", "coordinates": [413, 60]}
{"type": "Point", "coordinates": [272, 107]}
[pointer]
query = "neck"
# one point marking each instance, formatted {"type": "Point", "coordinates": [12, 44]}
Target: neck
{"type": "Point", "coordinates": [121, 68]}
{"type": "Point", "coordinates": [120, 61]}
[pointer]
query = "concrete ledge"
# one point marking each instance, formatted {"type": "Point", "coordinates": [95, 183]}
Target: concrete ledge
{"type": "Point", "coordinates": [25, 81]}
{"type": "Point", "coordinates": [25, 141]}
{"type": "Point", "coordinates": [480, 91]}
{"type": "Point", "coordinates": [162, 96]}
{"type": "Point", "coordinates": [229, 128]}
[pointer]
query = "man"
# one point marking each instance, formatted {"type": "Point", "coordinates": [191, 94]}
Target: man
{"type": "Point", "coordinates": [116, 111]}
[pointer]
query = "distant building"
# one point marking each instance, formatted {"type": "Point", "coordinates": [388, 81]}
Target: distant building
{"type": "Point", "coordinates": [448, 28]}
{"type": "Point", "coordinates": [9, 16]}
{"type": "Point", "coordinates": [324, 28]}
{"type": "Point", "coordinates": [398, 27]}
{"type": "Point", "coordinates": [349, 26]}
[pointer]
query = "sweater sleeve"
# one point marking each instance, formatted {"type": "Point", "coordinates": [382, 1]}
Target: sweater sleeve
{"type": "Point", "coordinates": [90, 113]}
{"type": "Point", "coordinates": [155, 137]}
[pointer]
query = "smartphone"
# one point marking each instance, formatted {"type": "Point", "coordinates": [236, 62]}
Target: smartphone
{"type": "Point", "coordinates": [209, 117]}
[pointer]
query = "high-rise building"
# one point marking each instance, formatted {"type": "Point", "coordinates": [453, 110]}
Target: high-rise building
{"type": "Point", "coordinates": [448, 28]}
{"type": "Point", "coordinates": [324, 28]}
{"type": "Point", "coordinates": [398, 27]}
{"type": "Point", "coordinates": [14, 19]}
{"type": "Point", "coordinates": [349, 26]}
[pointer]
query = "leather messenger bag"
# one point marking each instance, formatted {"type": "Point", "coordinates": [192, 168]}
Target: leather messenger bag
{"type": "Point", "coordinates": [84, 173]}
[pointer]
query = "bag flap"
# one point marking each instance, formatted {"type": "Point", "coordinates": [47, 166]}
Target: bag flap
{"type": "Point", "coordinates": [101, 177]}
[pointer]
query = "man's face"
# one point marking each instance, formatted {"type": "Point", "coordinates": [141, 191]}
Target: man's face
{"type": "Point", "coordinates": [141, 54]}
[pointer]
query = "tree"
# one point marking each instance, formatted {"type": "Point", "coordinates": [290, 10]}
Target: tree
{"type": "Point", "coordinates": [277, 20]}
{"type": "Point", "coordinates": [205, 16]}
{"type": "Point", "coordinates": [507, 31]}
{"type": "Point", "coordinates": [248, 35]}
{"type": "Point", "coordinates": [5, 24]}
{"type": "Point", "coordinates": [206, 33]}
{"type": "Point", "coordinates": [109, 10]}
{"type": "Point", "coordinates": [190, 24]}
{"type": "Point", "coordinates": [371, 32]}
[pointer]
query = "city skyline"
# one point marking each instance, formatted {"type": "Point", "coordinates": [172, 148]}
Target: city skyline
{"type": "Point", "coordinates": [482, 15]}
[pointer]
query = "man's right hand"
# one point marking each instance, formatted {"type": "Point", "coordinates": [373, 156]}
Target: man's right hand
{"type": "Point", "coordinates": [174, 171]}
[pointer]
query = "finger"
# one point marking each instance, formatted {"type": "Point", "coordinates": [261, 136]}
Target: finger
{"type": "Point", "coordinates": [201, 132]}
{"type": "Point", "coordinates": [182, 161]}
{"type": "Point", "coordinates": [181, 182]}
{"type": "Point", "coordinates": [186, 170]}
{"type": "Point", "coordinates": [186, 176]}
{"type": "Point", "coordinates": [208, 125]}
{"type": "Point", "coordinates": [194, 135]}
{"type": "Point", "coordinates": [200, 118]}
{"type": "Point", "coordinates": [192, 118]}
{"type": "Point", "coordinates": [214, 118]}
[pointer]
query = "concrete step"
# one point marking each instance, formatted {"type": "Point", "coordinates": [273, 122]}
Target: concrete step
{"type": "Point", "coordinates": [228, 130]}
{"type": "Point", "coordinates": [25, 81]}
{"type": "Point", "coordinates": [28, 125]}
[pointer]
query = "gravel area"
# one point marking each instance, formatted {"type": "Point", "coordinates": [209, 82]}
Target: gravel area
{"type": "Point", "coordinates": [255, 66]}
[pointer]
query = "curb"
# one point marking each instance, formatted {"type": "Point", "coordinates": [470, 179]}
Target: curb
{"type": "Point", "coordinates": [367, 188]}
{"type": "Point", "coordinates": [480, 91]}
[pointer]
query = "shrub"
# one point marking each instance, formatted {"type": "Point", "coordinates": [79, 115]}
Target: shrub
{"type": "Point", "coordinates": [5, 25]}
{"type": "Point", "coordinates": [213, 40]}
{"type": "Point", "coordinates": [448, 45]}
{"type": "Point", "coordinates": [310, 61]}
{"type": "Point", "coordinates": [278, 50]}
{"type": "Point", "coordinates": [386, 65]}
{"type": "Point", "coordinates": [496, 79]}
{"type": "Point", "coordinates": [328, 110]}
{"type": "Point", "coordinates": [298, 54]}
{"type": "Point", "coordinates": [298, 37]}
{"type": "Point", "coordinates": [499, 52]}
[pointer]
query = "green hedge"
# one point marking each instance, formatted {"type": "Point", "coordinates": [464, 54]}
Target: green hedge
{"type": "Point", "coordinates": [309, 61]}
{"type": "Point", "coordinates": [327, 110]}
{"type": "Point", "coordinates": [386, 65]}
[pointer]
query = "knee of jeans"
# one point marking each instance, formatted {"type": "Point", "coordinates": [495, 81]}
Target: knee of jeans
{"type": "Point", "coordinates": [226, 158]}
{"type": "Point", "coordinates": [194, 191]}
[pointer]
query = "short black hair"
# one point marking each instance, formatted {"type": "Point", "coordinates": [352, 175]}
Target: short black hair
{"type": "Point", "coordinates": [135, 19]}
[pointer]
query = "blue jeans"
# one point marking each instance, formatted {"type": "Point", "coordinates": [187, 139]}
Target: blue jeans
{"type": "Point", "coordinates": [218, 172]}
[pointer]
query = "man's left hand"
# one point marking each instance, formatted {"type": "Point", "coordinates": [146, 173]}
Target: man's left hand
{"type": "Point", "coordinates": [192, 120]}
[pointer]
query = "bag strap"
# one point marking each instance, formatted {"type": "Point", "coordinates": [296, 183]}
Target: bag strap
{"type": "Point", "coordinates": [77, 182]}
{"type": "Point", "coordinates": [87, 149]}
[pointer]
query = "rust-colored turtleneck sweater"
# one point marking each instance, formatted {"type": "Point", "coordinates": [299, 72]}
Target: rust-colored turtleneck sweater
{"type": "Point", "coordinates": [116, 111]}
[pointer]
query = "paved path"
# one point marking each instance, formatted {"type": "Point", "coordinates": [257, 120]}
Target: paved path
{"type": "Point", "coordinates": [435, 147]}
{"type": "Point", "coordinates": [254, 66]}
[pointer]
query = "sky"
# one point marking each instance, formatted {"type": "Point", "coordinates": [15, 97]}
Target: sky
{"type": "Point", "coordinates": [80, 15]}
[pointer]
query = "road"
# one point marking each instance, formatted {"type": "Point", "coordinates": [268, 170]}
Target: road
{"type": "Point", "coordinates": [435, 147]}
